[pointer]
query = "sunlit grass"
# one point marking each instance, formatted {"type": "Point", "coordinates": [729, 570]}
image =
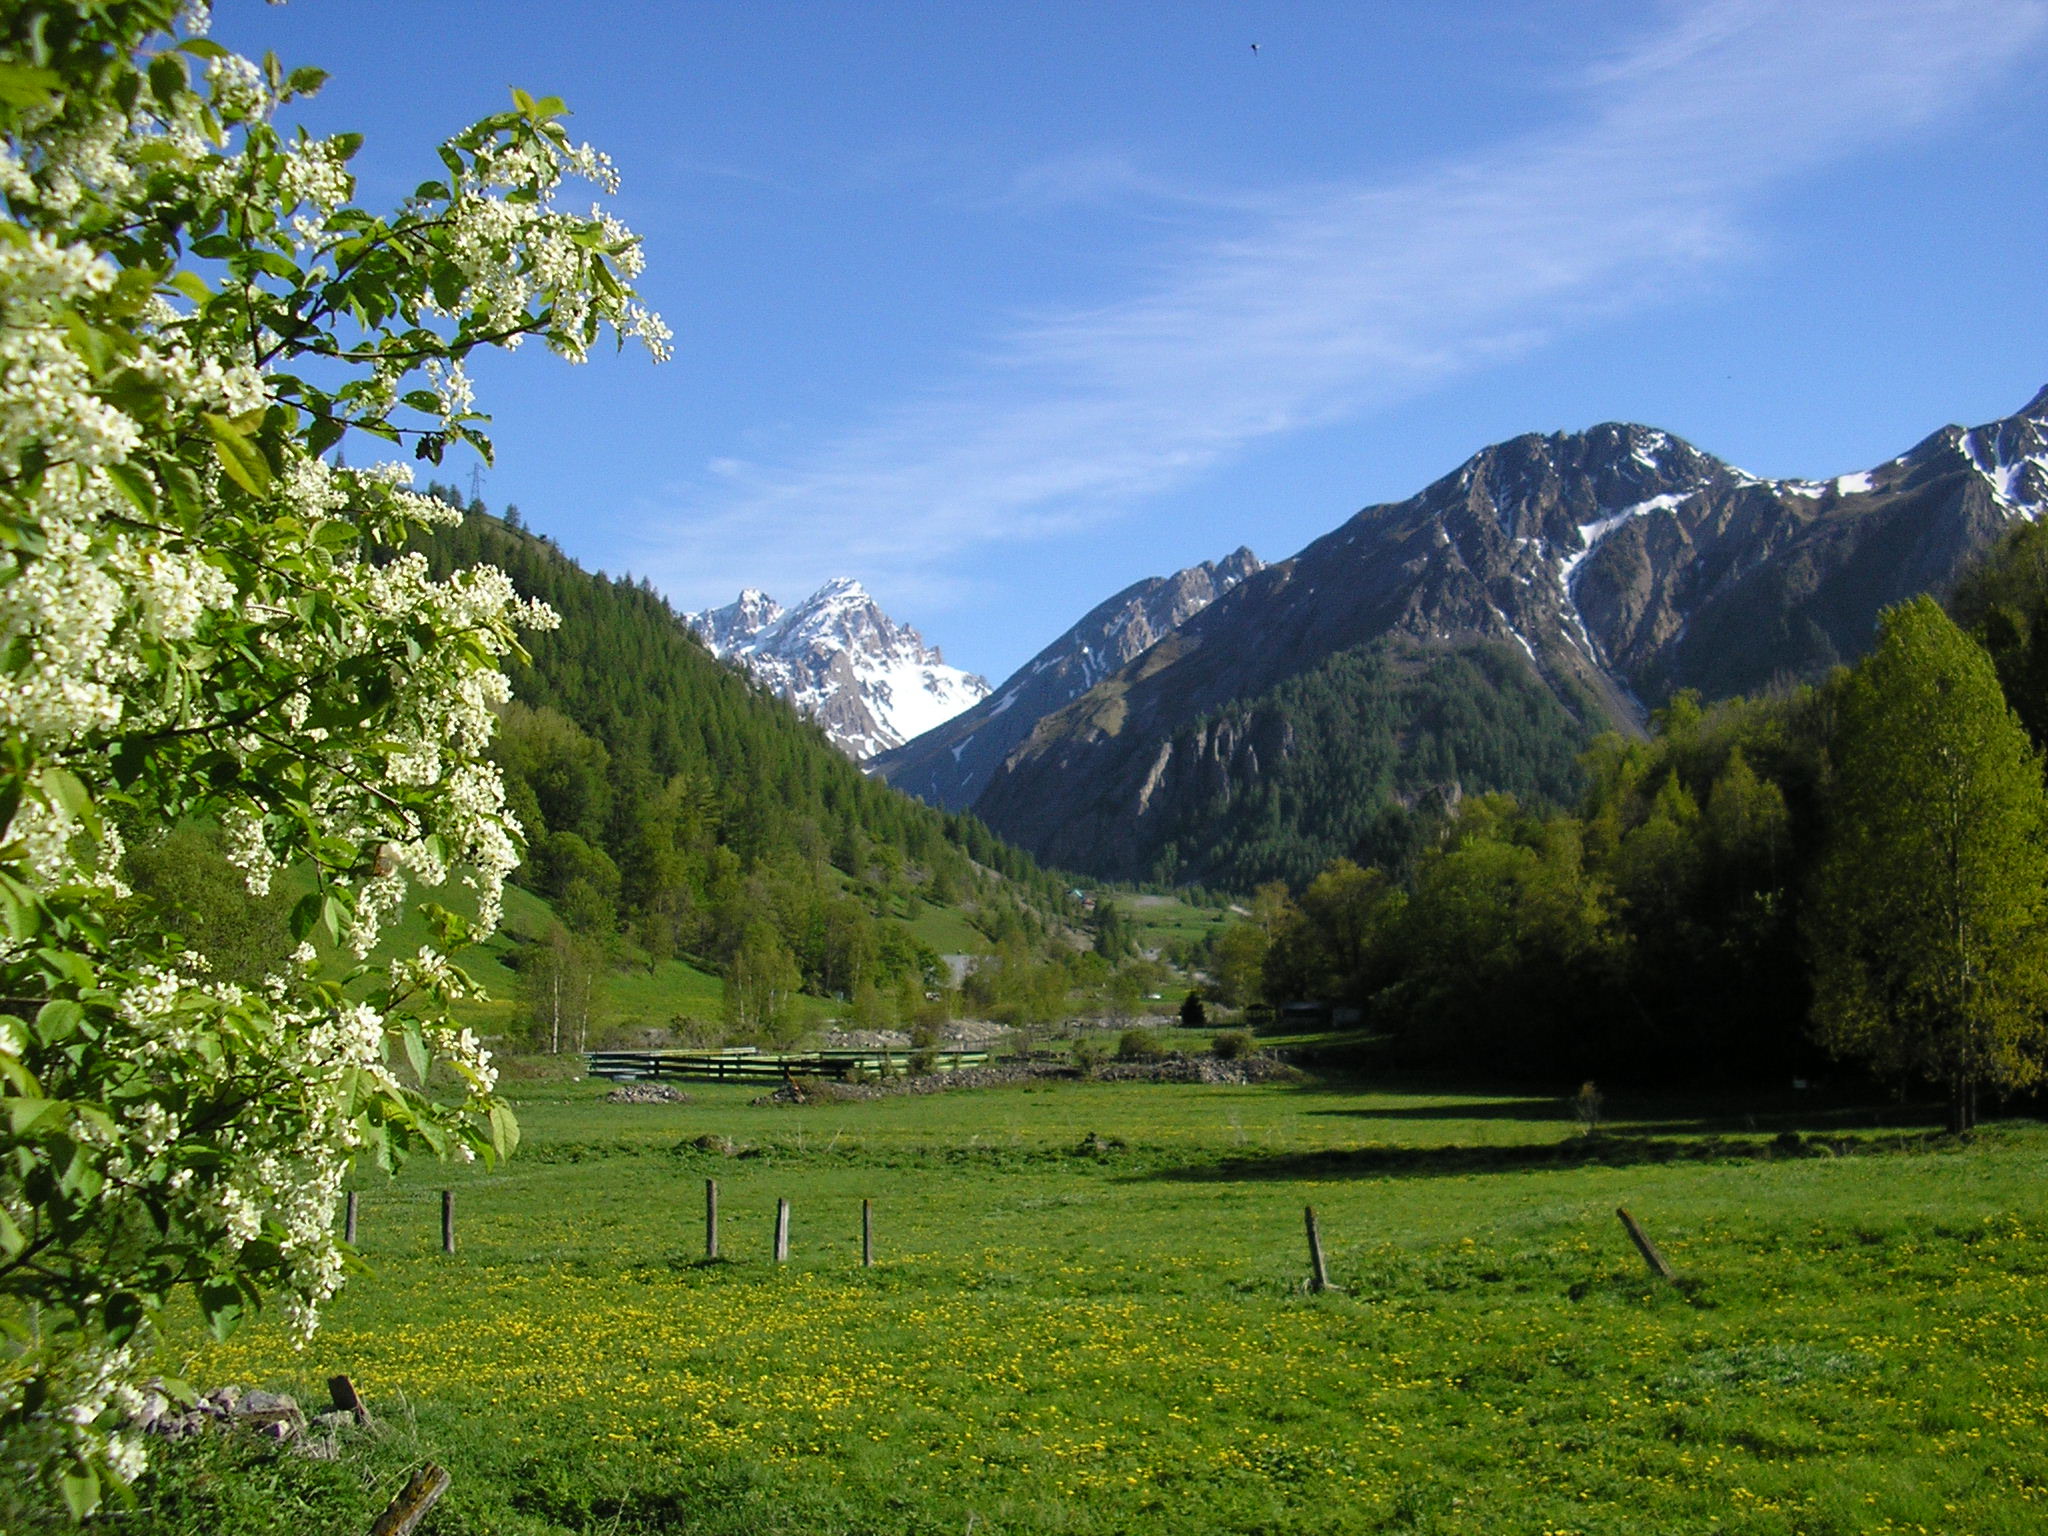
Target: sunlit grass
{"type": "Point", "coordinates": [1116, 1338]}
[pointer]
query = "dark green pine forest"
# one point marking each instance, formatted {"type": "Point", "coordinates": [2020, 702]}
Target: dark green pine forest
{"type": "Point", "coordinates": [674, 809]}
{"type": "Point", "coordinates": [1375, 738]}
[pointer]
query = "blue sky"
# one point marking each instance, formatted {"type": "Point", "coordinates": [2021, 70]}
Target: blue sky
{"type": "Point", "coordinates": [1000, 307]}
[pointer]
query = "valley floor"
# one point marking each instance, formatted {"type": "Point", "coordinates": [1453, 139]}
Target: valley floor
{"type": "Point", "coordinates": [1088, 1316]}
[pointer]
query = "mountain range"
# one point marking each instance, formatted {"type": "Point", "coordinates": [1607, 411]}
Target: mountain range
{"type": "Point", "coordinates": [1262, 719]}
{"type": "Point", "coordinates": [869, 682]}
{"type": "Point", "coordinates": [952, 763]}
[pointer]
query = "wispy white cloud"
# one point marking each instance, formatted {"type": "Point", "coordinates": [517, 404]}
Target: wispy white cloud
{"type": "Point", "coordinates": [1334, 300]}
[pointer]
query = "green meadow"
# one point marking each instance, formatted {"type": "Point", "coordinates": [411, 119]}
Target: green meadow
{"type": "Point", "coordinates": [1089, 1315]}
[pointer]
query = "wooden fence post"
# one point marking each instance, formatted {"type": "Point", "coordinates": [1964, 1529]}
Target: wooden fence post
{"type": "Point", "coordinates": [782, 1231]}
{"type": "Point", "coordinates": [413, 1501]}
{"type": "Point", "coordinates": [348, 1225]}
{"type": "Point", "coordinates": [447, 1224]}
{"type": "Point", "coordinates": [711, 1218]}
{"type": "Point", "coordinates": [342, 1393]}
{"type": "Point", "coordinates": [1319, 1276]}
{"type": "Point", "coordinates": [1644, 1246]}
{"type": "Point", "coordinates": [867, 1234]}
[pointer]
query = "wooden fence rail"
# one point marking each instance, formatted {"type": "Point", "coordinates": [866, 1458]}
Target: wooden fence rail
{"type": "Point", "coordinates": [757, 1066]}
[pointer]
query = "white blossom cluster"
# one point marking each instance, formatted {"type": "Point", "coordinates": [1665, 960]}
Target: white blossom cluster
{"type": "Point", "coordinates": [519, 251]}
{"type": "Point", "coordinates": [200, 610]}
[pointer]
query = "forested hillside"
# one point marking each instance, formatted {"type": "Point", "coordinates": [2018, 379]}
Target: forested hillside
{"type": "Point", "coordinates": [1345, 759]}
{"type": "Point", "coordinates": [1852, 868]}
{"type": "Point", "coordinates": [673, 808]}
{"type": "Point", "coordinates": [1615, 567]}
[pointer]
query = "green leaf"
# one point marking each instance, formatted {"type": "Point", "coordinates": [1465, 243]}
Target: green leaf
{"type": "Point", "coordinates": [238, 456]}
{"type": "Point", "coordinates": [504, 1130]}
{"type": "Point", "coordinates": [190, 284]}
{"type": "Point", "coordinates": [65, 789]}
{"type": "Point", "coordinates": [12, 1238]}
{"type": "Point", "coordinates": [416, 1053]}
{"type": "Point", "coordinates": [305, 913]}
{"type": "Point", "coordinates": [80, 1485]}
{"type": "Point", "coordinates": [25, 1114]}
{"type": "Point", "coordinates": [220, 1303]}
{"type": "Point", "coordinates": [167, 78]}
{"type": "Point", "coordinates": [323, 434]}
{"type": "Point", "coordinates": [24, 85]}
{"type": "Point", "coordinates": [132, 483]}
{"type": "Point", "coordinates": [58, 1019]}
{"type": "Point", "coordinates": [203, 48]}
{"type": "Point", "coordinates": [124, 1315]}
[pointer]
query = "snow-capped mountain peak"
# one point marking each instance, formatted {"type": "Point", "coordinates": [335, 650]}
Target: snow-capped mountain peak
{"type": "Point", "coordinates": [869, 681]}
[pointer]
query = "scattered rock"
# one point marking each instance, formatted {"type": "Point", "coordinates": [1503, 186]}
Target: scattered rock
{"type": "Point", "coordinates": [646, 1093]}
{"type": "Point", "coordinates": [273, 1415]}
{"type": "Point", "coordinates": [866, 1040]}
{"type": "Point", "coordinates": [1168, 1069]}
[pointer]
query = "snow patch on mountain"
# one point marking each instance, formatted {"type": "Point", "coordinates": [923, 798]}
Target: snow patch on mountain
{"type": "Point", "coordinates": [870, 682]}
{"type": "Point", "coordinates": [2013, 457]}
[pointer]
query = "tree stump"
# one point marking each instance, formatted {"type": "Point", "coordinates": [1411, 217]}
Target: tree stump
{"type": "Point", "coordinates": [413, 1501]}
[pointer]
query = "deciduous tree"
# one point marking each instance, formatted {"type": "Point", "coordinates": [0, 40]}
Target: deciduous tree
{"type": "Point", "coordinates": [205, 622]}
{"type": "Point", "coordinates": [1928, 928]}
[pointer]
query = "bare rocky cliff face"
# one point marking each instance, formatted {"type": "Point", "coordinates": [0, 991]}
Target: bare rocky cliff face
{"type": "Point", "coordinates": [951, 765]}
{"type": "Point", "coordinates": [1617, 565]}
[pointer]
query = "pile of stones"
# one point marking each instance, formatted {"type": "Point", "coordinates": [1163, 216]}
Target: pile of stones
{"type": "Point", "coordinates": [268, 1415]}
{"type": "Point", "coordinates": [1198, 1069]}
{"type": "Point", "coordinates": [646, 1093]}
{"type": "Point", "coordinates": [1167, 1069]}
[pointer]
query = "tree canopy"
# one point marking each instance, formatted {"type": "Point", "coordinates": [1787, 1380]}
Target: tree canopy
{"type": "Point", "coordinates": [206, 623]}
{"type": "Point", "coordinates": [1929, 923]}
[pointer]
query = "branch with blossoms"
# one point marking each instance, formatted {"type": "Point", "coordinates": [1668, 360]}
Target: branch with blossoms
{"type": "Point", "coordinates": [204, 620]}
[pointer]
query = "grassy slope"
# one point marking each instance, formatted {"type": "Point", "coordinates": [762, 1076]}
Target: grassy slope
{"type": "Point", "coordinates": [948, 931]}
{"type": "Point", "coordinates": [1058, 1341]}
{"type": "Point", "coordinates": [1163, 920]}
{"type": "Point", "coordinates": [650, 996]}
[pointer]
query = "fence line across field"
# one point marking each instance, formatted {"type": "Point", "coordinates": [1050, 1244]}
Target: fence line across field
{"type": "Point", "coordinates": [744, 1063]}
{"type": "Point", "coordinates": [1318, 1279]}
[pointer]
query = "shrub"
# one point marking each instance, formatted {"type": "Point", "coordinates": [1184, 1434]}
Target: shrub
{"type": "Point", "coordinates": [1230, 1044]}
{"type": "Point", "coordinates": [1139, 1045]}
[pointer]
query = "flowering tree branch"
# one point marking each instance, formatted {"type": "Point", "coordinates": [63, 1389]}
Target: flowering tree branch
{"type": "Point", "coordinates": [202, 619]}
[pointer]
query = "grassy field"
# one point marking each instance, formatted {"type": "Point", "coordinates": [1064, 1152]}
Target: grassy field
{"type": "Point", "coordinates": [1163, 920]}
{"type": "Point", "coordinates": [1089, 1317]}
{"type": "Point", "coordinates": [948, 931]}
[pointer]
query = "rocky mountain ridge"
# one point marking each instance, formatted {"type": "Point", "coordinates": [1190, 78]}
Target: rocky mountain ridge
{"type": "Point", "coordinates": [868, 681]}
{"type": "Point", "coordinates": [950, 765]}
{"type": "Point", "coordinates": [1618, 565]}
